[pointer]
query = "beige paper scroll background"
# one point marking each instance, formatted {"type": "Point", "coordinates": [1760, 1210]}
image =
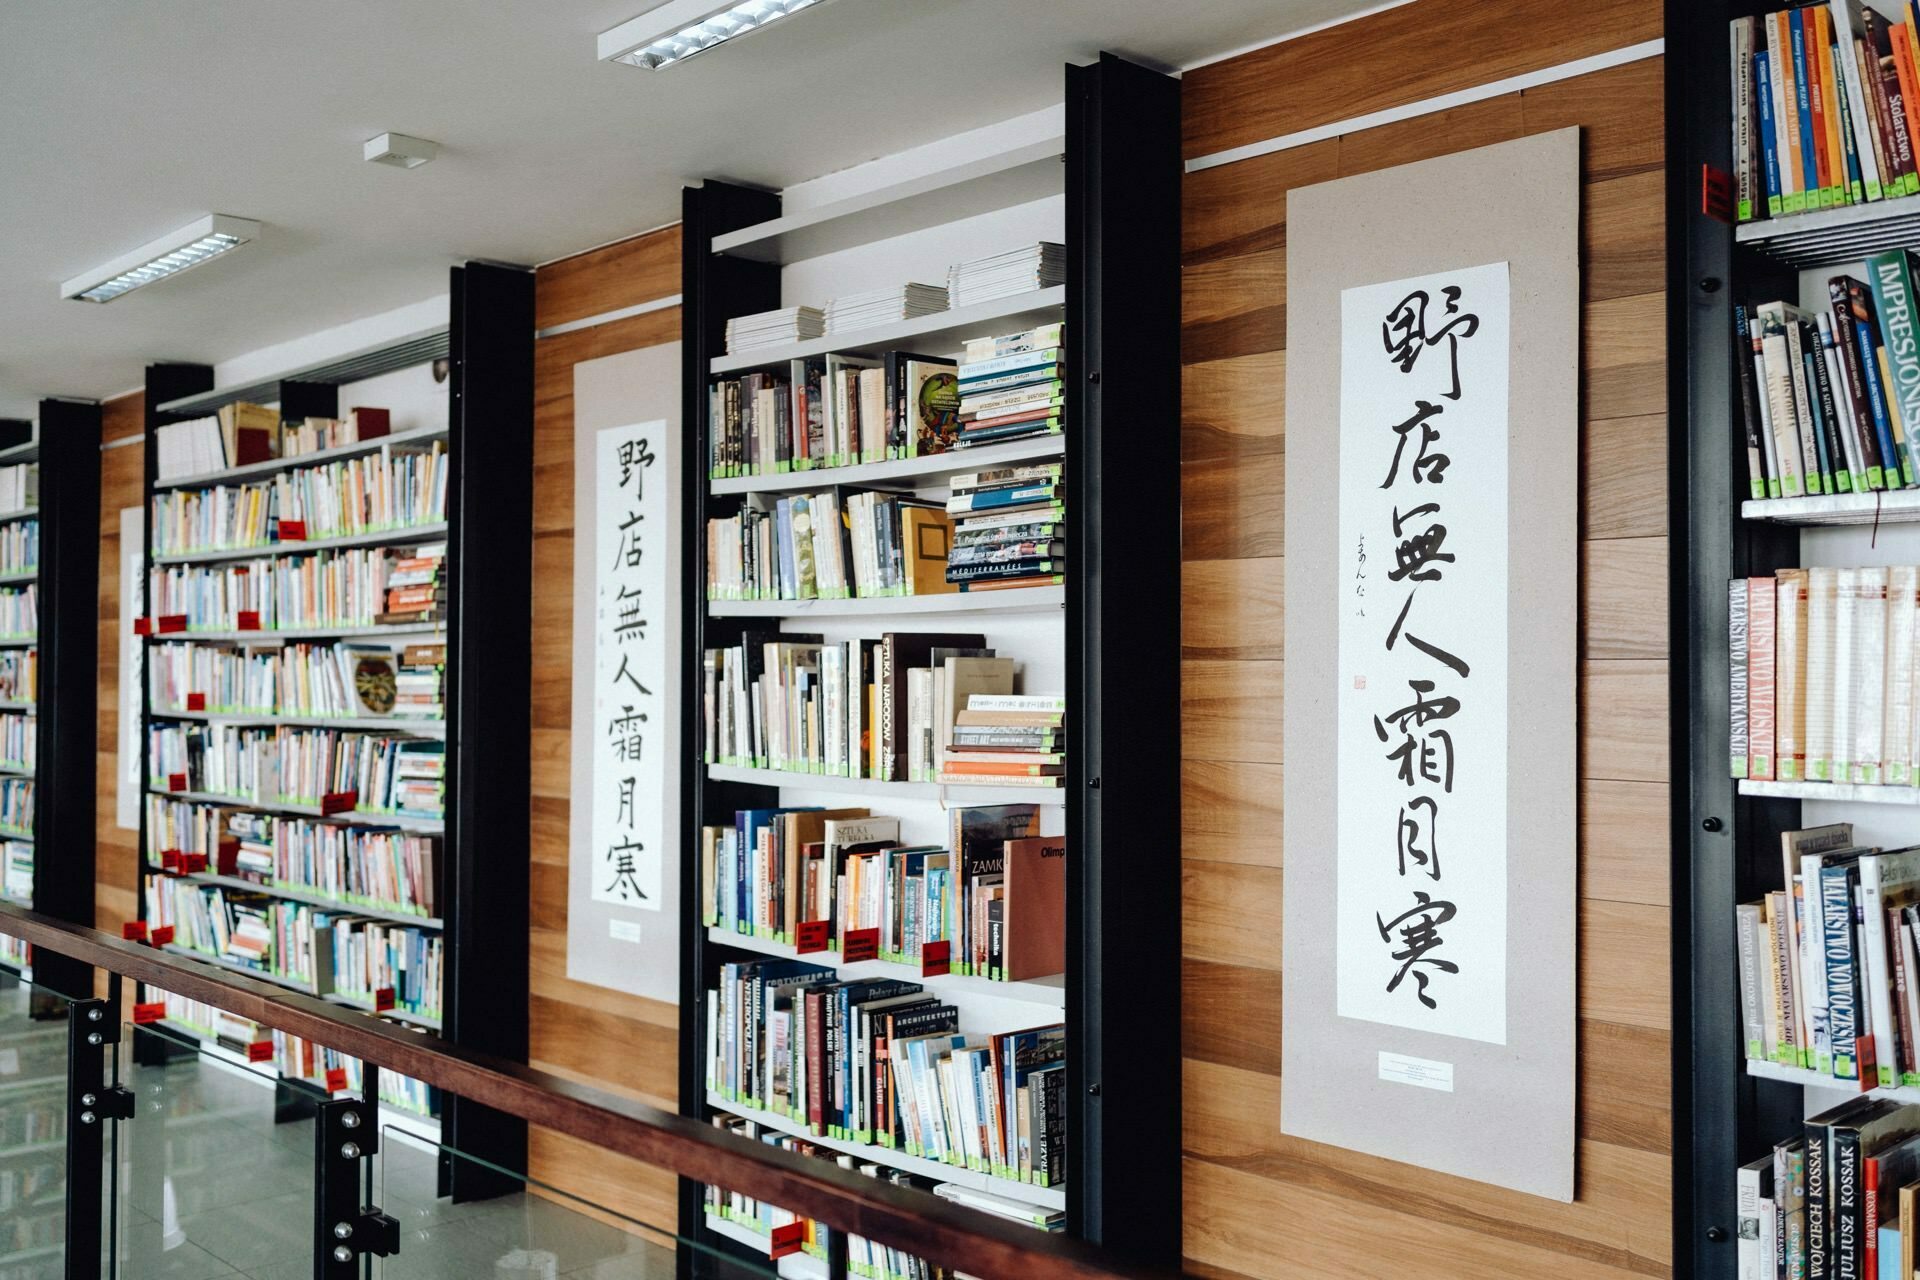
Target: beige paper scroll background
{"type": "Point", "coordinates": [1509, 1119]}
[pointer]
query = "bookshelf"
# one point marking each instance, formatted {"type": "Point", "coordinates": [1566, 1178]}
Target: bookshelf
{"type": "Point", "coordinates": [65, 581]}
{"type": "Point", "coordinates": [482, 416]}
{"type": "Point", "coordinates": [1090, 637]}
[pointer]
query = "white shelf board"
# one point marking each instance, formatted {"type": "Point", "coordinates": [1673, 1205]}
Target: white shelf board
{"type": "Point", "coordinates": [1822, 237]}
{"type": "Point", "coordinates": [15, 771]}
{"type": "Point", "coordinates": [377, 538]}
{"type": "Point", "coordinates": [278, 635]}
{"type": "Point", "coordinates": [421, 347]}
{"type": "Point", "coordinates": [309, 897]}
{"type": "Point", "coordinates": [1831, 791]}
{"type": "Point", "coordinates": [795, 1266]}
{"type": "Point", "coordinates": [951, 795]}
{"type": "Point", "coordinates": [17, 704]}
{"type": "Point", "coordinates": [1026, 1192]}
{"type": "Point", "coordinates": [959, 991]}
{"type": "Point", "coordinates": [943, 330]}
{"type": "Point", "coordinates": [350, 817]}
{"type": "Point", "coordinates": [28, 452]}
{"type": "Point", "coordinates": [318, 457]}
{"type": "Point", "coordinates": [19, 642]}
{"type": "Point", "coordinates": [16, 579]}
{"type": "Point", "coordinates": [1900, 506]}
{"type": "Point", "coordinates": [25, 513]}
{"type": "Point", "coordinates": [418, 728]}
{"type": "Point", "coordinates": [1019, 175]}
{"type": "Point", "coordinates": [1815, 1080]}
{"type": "Point", "coordinates": [936, 466]}
{"type": "Point", "coordinates": [1013, 600]}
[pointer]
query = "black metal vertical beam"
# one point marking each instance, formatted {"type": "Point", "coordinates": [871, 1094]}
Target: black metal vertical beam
{"type": "Point", "coordinates": [489, 719]}
{"type": "Point", "coordinates": [64, 723]}
{"type": "Point", "coordinates": [302, 400]}
{"type": "Point", "coordinates": [1725, 848]}
{"type": "Point", "coordinates": [714, 288]}
{"type": "Point", "coordinates": [1123, 509]}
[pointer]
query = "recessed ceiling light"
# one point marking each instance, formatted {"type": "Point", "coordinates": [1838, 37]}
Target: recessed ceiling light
{"type": "Point", "coordinates": [399, 150]}
{"type": "Point", "coordinates": [675, 31]}
{"type": "Point", "coordinates": [198, 242]}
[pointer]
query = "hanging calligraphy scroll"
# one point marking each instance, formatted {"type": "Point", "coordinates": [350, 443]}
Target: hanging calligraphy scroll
{"type": "Point", "coordinates": [622, 918]}
{"type": "Point", "coordinates": [1431, 641]}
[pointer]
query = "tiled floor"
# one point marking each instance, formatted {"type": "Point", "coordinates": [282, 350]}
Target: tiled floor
{"type": "Point", "coordinates": [209, 1186]}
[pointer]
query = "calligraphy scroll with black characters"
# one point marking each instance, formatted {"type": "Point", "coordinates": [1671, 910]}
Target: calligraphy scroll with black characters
{"type": "Point", "coordinates": [1431, 640]}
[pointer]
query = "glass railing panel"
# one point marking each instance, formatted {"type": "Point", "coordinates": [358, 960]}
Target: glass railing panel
{"type": "Point", "coordinates": [33, 1126]}
{"type": "Point", "coordinates": [216, 1169]}
{"type": "Point", "coordinates": [530, 1229]}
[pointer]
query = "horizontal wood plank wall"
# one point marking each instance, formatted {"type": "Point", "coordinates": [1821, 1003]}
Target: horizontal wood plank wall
{"type": "Point", "coordinates": [587, 1033]}
{"type": "Point", "coordinates": [1243, 1177]}
{"type": "Point", "coordinates": [116, 876]}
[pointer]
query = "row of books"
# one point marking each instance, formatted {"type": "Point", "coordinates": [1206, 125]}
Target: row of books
{"type": "Point", "coordinates": [243, 433]}
{"type": "Point", "coordinates": [1823, 665]}
{"type": "Point", "coordinates": [880, 1061]}
{"type": "Point", "coordinates": [999, 275]}
{"type": "Point", "coordinates": [341, 680]}
{"type": "Point", "coordinates": [1826, 108]}
{"type": "Point", "coordinates": [881, 708]}
{"type": "Point", "coordinates": [292, 1057]}
{"type": "Point", "coordinates": [20, 612]}
{"type": "Point", "coordinates": [831, 545]}
{"type": "Point", "coordinates": [16, 806]}
{"type": "Point", "coordinates": [19, 488]}
{"type": "Point", "coordinates": [1831, 399]}
{"type": "Point", "coordinates": [19, 738]}
{"type": "Point", "coordinates": [16, 870]}
{"type": "Point", "coordinates": [341, 770]}
{"type": "Point", "coordinates": [365, 961]}
{"type": "Point", "coordinates": [359, 866]}
{"type": "Point", "coordinates": [832, 411]}
{"type": "Point", "coordinates": [310, 435]}
{"type": "Point", "coordinates": [1840, 1199]}
{"type": "Point", "coordinates": [19, 674]}
{"type": "Point", "coordinates": [396, 488]}
{"type": "Point", "coordinates": [1009, 528]}
{"type": "Point", "coordinates": [20, 546]}
{"type": "Point", "coordinates": [359, 587]}
{"type": "Point", "coordinates": [991, 902]}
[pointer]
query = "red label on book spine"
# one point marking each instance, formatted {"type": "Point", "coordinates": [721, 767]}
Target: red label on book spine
{"type": "Point", "coordinates": [860, 944]}
{"type": "Point", "coordinates": [293, 531]}
{"type": "Point", "coordinates": [813, 935]}
{"type": "Point", "coordinates": [336, 1079]}
{"type": "Point", "coordinates": [383, 999]}
{"type": "Point", "coordinates": [193, 862]}
{"type": "Point", "coordinates": [339, 801]}
{"type": "Point", "coordinates": [163, 935]}
{"type": "Point", "coordinates": [246, 620]}
{"type": "Point", "coordinates": [787, 1239]}
{"type": "Point", "coordinates": [169, 859]}
{"type": "Point", "coordinates": [145, 1013]}
{"type": "Point", "coordinates": [176, 782]}
{"type": "Point", "coordinates": [170, 622]}
{"type": "Point", "coordinates": [196, 702]}
{"type": "Point", "coordinates": [936, 959]}
{"type": "Point", "coordinates": [1716, 193]}
{"type": "Point", "coordinates": [143, 626]}
{"type": "Point", "coordinates": [134, 931]}
{"type": "Point", "coordinates": [260, 1051]}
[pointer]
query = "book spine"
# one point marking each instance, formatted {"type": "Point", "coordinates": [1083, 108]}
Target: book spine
{"type": "Point", "coordinates": [1839, 474]}
{"type": "Point", "coordinates": [1845, 1241]}
{"type": "Point", "coordinates": [1817, 1202]}
{"type": "Point", "coordinates": [1812, 455]}
{"type": "Point", "coordinates": [1782, 410]}
{"type": "Point", "coordinates": [1891, 277]}
{"type": "Point", "coordinates": [1843, 986]}
{"type": "Point", "coordinates": [1761, 603]}
{"type": "Point", "coordinates": [1769, 139]}
{"type": "Point", "coordinates": [1857, 156]}
{"type": "Point", "coordinates": [1894, 97]}
{"type": "Point", "coordinates": [1752, 1018]}
{"type": "Point", "coordinates": [1849, 426]}
{"type": "Point", "coordinates": [1807, 48]}
{"type": "Point", "coordinates": [1866, 339]}
{"type": "Point", "coordinates": [1846, 349]}
{"type": "Point", "coordinates": [1750, 405]}
{"type": "Point", "coordinates": [1740, 39]}
{"type": "Point", "coordinates": [1789, 676]}
{"type": "Point", "coordinates": [1787, 1042]}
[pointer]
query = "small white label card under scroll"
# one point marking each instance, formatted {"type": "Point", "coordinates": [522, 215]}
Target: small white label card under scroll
{"type": "Point", "coordinates": [1430, 684]}
{"type": "Point", "coordinates": [630, 675]}
{"type": "Point", "coordinates": [1422, 932]}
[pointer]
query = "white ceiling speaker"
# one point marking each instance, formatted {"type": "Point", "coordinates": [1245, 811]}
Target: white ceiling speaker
{"type": "Point", "coordinates": [400, 150]}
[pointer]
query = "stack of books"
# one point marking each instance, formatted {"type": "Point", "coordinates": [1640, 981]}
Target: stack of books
{"type": "Point", "coordinates": [315, 434]}
{"type": "Point", "coordinates": [884, 306]}
{"type": "Point", "coordinates": [1005, 275]}
{"type": "Point", "coordinates": [416, 588]}
{"type": "Point", "coordinates": [1831, 405]}
{"type": "Point", "coordinates": [1007, 740]}
{"type": "Point", "coordinates": [1009, 528]}
{"type": "Point", "coordinates": [420, 684]}
{"type": "Point", "coordinates": [1012, 387]}
{"type": "Point", "coordinates": [1826, 108]}
{"type": "Point", "coordinates": [19, 487]}
{"type": "Point", "coordinates": [774, 328]}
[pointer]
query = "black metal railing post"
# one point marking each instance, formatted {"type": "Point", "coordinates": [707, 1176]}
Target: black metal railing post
{"type": "Point", "coordinates": [93, 1027]}
{"type": "Point", "coordinates": [345, 1228]}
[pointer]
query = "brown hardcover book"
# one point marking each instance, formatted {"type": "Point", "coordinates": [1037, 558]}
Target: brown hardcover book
{"type": "Point", "coordinates": [370, 424]}
{"type": "Point", "coordinates": [424, 655]}
{"type": "Point", "coordinates": [963, 677]}
{"type": "Point", "coordinates": [799, 829]}
{"type": "Point", "coordinates": [1034, 934]}
{"type": "Point", "coordinates": [249, 432]}
{"type": "Point", "coordinates": [927, 535]}
{"type": "Point", "coordinates": [901, 651]}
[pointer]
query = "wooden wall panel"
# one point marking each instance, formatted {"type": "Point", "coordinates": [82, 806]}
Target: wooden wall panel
{"type": "Point", "coordinates": [116, 877]}
{"type": "Point", "coordinates": [586, 1033]}
{"type": "Point", "coordinates": [1243, 1177]}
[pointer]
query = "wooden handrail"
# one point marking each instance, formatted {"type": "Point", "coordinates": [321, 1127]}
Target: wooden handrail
{"type": "Point", "coordinates": [905, 1218]}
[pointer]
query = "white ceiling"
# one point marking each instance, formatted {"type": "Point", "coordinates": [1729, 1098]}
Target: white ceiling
{"type": "Point", "coordinates": [121, 120]}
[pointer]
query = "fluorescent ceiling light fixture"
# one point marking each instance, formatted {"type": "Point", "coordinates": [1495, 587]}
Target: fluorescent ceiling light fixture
{"type": "Point", "coordinates": [193, 244]}
{"type": "Point", "coordinates": [675, 31]}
